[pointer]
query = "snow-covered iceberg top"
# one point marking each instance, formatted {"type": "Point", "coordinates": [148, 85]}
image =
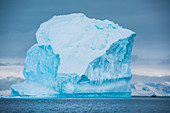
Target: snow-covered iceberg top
{"type": "Point", "coordinates": [79, 40]}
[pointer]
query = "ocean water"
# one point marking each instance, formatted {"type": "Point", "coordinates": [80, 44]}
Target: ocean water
{"type": "Point", "coordinates": [91, 105]}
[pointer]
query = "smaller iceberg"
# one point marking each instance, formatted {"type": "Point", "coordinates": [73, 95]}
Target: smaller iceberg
{"type": "Point", "coordinates": [78, 57]}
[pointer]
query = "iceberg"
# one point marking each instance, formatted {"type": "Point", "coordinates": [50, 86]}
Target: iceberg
{"type": "Point", "coordinates": [76, 56]}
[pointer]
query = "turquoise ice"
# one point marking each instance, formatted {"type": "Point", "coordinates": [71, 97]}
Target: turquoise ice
{"type": "Point", "coordinates": [76, 56]}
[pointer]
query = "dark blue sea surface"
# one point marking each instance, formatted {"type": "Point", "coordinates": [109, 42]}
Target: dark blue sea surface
{"type": "Point", "coordinates": [133, 105]}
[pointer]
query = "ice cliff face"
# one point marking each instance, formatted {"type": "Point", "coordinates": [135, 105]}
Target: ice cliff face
{"type": "Point", "coordinates": [41, 64]}
{"type": "Point", "coordinates": [115, 63]}
{"type": "Point", "coordinates": [75, 54]}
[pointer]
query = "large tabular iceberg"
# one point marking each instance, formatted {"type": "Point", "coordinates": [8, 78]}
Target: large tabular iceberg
{"type": "Point", "coordinates": [78, 57]}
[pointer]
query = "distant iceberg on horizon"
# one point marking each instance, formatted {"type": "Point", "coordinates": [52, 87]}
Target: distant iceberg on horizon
{"type": "Point", "coordinates": [78, 57]}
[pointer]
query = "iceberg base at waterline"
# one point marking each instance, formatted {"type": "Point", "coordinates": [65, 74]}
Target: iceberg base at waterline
{"type": "Point", "coordinates": [67, 89]}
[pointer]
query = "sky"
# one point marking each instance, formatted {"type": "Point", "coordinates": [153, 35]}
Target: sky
{"type": "Point", "coordinates": [20, 19]}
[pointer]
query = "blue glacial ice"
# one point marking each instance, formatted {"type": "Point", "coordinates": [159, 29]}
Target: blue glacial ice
{"type": "Point", "coordinates": [76, 56]}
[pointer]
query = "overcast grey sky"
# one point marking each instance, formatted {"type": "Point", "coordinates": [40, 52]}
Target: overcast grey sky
{"type": "Point", "coordinates": [150, 19]}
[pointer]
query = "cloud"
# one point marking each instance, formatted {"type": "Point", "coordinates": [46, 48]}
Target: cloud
{"type": "Point", "coordinates": [1, 64]}
{"type": "Point", "coordinates": [166, 60]}
{"type": "Point", "coordinates": [11, 61]}
{"type": "Point", "coordinates": [150, 66]}
{"type": "Point", "coordinates": [5, 83]}
{"type": "Point", "coordinates": [137, 60]}
{"type": "Point", "coordinates": [5, 92]}
{"type": "Point", "coordinates": [149, 79]}
{"type": "Point", "coordinates": [11, 70]}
